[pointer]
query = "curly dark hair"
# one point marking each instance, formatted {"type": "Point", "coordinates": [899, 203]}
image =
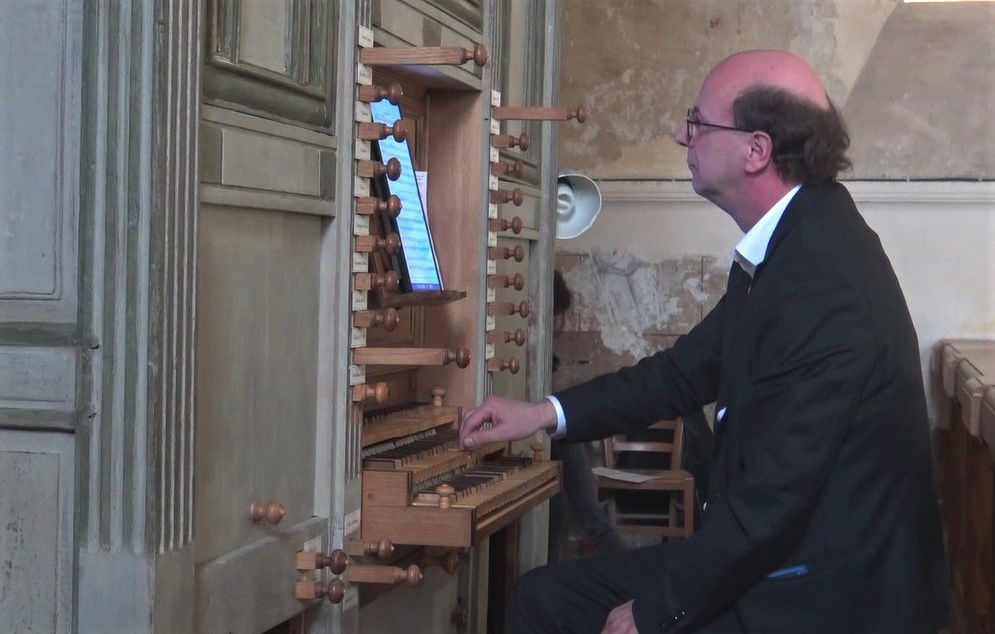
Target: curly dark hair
{"type": "Point", "coordinates": [809, 143]}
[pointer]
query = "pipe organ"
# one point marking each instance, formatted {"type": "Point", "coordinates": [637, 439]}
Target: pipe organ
{"type": "Point", "coordinates": [255, 401]}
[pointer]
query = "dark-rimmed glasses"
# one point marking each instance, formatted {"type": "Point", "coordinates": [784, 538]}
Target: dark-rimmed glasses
{"type": "Point", "coordinates": [693, 122]}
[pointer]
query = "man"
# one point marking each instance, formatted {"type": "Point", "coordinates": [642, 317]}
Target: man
{"type": "Point", "coordinates": [821, 515]}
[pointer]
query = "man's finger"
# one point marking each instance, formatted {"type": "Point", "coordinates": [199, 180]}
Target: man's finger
{"type": "Point", "coordinates": [472, 422]}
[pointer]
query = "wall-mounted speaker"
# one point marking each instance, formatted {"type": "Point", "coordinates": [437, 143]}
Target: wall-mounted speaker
{"type": "Point", "coordinates": [578, 201]}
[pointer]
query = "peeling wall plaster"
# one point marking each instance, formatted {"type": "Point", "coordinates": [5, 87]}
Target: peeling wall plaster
{"type": "Point", "coordinates": [634, 307]}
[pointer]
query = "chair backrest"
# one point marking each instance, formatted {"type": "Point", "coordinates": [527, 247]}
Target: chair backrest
{"type": "Point", "coordinates": [672, 451]}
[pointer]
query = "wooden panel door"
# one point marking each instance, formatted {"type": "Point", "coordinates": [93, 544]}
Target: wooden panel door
{"type": "Point", "coordinates": [267, 176]}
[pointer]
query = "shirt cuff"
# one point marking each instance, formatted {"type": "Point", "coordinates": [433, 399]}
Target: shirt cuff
{"type": "Point", "coordinates": [561, 419]}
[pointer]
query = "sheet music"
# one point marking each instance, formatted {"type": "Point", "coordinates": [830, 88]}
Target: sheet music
{"type": "Point", "coordinates": [412, 223]}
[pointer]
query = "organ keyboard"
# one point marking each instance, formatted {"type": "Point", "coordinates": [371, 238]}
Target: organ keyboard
{"type": "Point", "coordinates": [420, 488]}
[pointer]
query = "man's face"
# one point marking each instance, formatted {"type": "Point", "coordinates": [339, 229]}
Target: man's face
{"type": "Point", "coordinates": [713, 154]}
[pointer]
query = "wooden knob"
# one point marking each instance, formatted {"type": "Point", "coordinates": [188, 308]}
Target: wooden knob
{"type": "Point", "coordinates": [580, 114]}
{"type": "Point", "coordinates": [522, 309]}
{"type": "Point", "coordinates": [369, 205]}
{"type": "Point", "coordinates": [503, 224]}
{"type": "Point", "coordinates": [448, 561]}
{"type": "Point", "coordinates": [367, 244]}
{"type": "Point", "coordinates": [537, 451]}
{"type": "Point", "coordinates": [371, 93]}
{"type": "Point", "coordinates": [514, 196]}
{"type": "Point", "coordinates": [478, 55]}
{"type": "Point", "coordinates": [391, 206]}
{"type": "Point", "coordinates": [376, 169]}
{"type": "Point", "coordinates": [377, 391]}
{"type": "Point", "coordinates": [336, 561]}
{"type": "Point", "coordinates": [518, 281]}
{"type": "Point", "coordinates": [515, 169]}
{"type": "Point", "coordinates": [412, 575]}
{"type": "Point", "coordinates": [519, 338]}
{"type": "Point", "coordinates": [383, 549]}
{"type": "Point", "coordinates": [461, 356]}
{"type": "Point", "coordinates": [445, 493]}
{"type": "Point", "coordinates": [368, 131]}
{"type": "Point", "coordinates": [505, 253]}
{"type": "Point", "coordinates": [522, 141]}
{"type": "Point", "coordinates": [333, 590]}
{"type": "Point", "coordinates": [389, 281]}
{"type": "Point", "coordinates": [499, 365]}
{"type": "Point", "coordinates": [273, 512]}
{"type": "Point", "coordinates": [437, 395]}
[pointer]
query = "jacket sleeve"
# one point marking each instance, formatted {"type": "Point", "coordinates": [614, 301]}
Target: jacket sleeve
{"type": "Point", "coordinates": [669, 384]}
{"type": "Point", "coordinates": [810, 364]}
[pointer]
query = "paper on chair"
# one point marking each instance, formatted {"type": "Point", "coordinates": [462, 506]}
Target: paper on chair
{"type": "Point", "coordinates": [624, 476]}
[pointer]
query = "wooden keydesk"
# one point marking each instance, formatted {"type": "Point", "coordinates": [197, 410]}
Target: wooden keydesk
{"type": "Point", "coordinates": [967, 372]}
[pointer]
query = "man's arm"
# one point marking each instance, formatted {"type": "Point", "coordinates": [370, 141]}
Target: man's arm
{"type": "Point", "coordinates": [668, 384]}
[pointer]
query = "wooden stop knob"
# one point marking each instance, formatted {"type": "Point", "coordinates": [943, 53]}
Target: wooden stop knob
{"type": "Point", "coordinates": [518, 281]}
{"type": "Point", "coordinates": [445, 493]}
{"type": "Point", "coordinates": [437, 395]}
{"type": "Point", "coordinates": [503, 224]}
{"type": "Point", "coordinates": [393, 169]}
{"type": "Point", "coordinates": [371, 93]}
{"type": "Point", "coordinates": [517, 169]}
{"type": "Point", "coordinates": [524, 141]}
{"type": "Point", "coordinates": [383, 549]}
{"type": "Point", "coordinates": [514, 196]}
{"type": "Point", "coordinates": [461, 356]}
{"type": "Point", "coordinates": [389, 317]}
{"type": "Point", "coordinates": [389, 281]}
{"type": "Point", "coordinates": [412, 575]}
{"type": "Point", "coordinates": [519, 338]}
{"type": "Point", "coordinates": [522, 309]}
{"type": "Point", "coordinates": [478, 55]}
{"type": "Point", "coordinates": [390, 244]}
{"type": "Point", "coordinates": [537, 451]}
{"type": "Point", "coordinates": [580, 114]}
{"type": "Point", "coordinates": [391, 206]}
{"type": "Point", "coordinates": [369, 131]}
{"type": "Point", "coordinates": [333, 590]}
{"type": "Point", "coordinates": [273, 512]}
{"type": "Point", "coordinates": [377, 391]}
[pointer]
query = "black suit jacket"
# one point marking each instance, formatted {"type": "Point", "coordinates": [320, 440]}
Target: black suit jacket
{"type": "Point", "coordinates": [822, 465]}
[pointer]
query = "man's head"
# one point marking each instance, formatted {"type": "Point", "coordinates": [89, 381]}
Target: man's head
{"type": "Point", "coordinates": [773, 127]}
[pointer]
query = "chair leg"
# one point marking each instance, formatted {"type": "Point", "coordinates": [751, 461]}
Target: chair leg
{"type": "Point", "coordinates": [688, 510]}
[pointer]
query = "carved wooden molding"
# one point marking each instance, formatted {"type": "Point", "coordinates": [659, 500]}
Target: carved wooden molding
{"type": "Point", "coordinates": [141, 109]}
{"type": "Point", "coordinates": [304, 92]}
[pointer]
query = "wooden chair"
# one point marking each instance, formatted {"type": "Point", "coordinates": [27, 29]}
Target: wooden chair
{"type": "Point", "coordinates": [668, 522]}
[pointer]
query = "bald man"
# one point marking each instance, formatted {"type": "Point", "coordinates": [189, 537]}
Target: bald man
{"type": "Point", "coordinates": [821, 515]}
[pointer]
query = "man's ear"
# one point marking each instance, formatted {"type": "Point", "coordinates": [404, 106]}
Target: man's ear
{"type": "Point", "coordinates": [760, 152]}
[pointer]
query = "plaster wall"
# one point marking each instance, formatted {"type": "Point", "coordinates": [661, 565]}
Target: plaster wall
{"type": "Point", "coordinates": [914, 81]}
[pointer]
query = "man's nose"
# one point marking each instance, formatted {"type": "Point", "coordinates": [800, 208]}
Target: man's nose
{"type": "Point", "coordinates": [681, 136]}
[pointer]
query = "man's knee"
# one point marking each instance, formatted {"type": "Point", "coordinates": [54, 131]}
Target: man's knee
{"type": "Point", "coordinates": [531, 600]}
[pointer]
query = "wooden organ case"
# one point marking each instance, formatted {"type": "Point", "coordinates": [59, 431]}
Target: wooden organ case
{"type": "Point", "coordinates": [362, 506]}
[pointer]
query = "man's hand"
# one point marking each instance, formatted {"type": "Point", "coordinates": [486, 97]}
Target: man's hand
{"type": "Point", "coordinates": [511, 420]}
{"type": "Point", "coordinates": [620, 621]}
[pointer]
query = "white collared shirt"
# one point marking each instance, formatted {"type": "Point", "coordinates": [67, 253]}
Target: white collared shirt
{"type": "Point", "coordinates": [749, 253]}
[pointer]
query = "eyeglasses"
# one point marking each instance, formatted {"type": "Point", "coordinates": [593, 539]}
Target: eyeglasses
{"type": "Point", "coordinates": [693, 123]}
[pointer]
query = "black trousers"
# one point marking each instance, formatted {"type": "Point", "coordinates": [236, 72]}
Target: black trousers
{"type": "Point", "coordinates": [575, 597]}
